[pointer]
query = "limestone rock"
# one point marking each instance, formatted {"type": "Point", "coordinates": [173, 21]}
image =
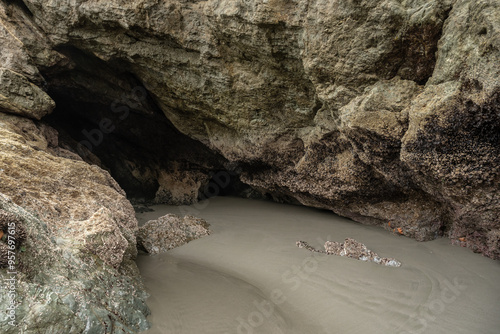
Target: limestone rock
{"type": "Point", "coordinates": [330, 104]}
{"type": "Point", "coordinates": [333, 247]}
{"type": "Point", "coordinates": [58, 189]}
{"type": "Point", "coordinates": [20, 79]}
{"type": "Point", "coordinates": [171, 231]}
{"type": "Point", "coordinates": [180, 187]}
{"type": "Point", "coordinates": [83, 237]}
{"type": "Point", "coordinates": [386, 112]}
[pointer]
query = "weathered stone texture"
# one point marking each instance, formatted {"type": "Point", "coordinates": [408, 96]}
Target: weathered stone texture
{"type": "Point", "coordinates": [171, 231]}
{"type": "Point", "coordinates": [62, 287]}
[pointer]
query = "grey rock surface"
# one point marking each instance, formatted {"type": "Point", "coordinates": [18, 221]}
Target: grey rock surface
{"type": "Point", "coordinates": [171, 231]}
{"type": "Point", "coordinates": [61, 288]}
{"type": "Point", "coordinates": [19, 96]}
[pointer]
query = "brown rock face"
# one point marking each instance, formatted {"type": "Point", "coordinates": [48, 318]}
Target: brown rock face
{"type": "Point", "coordinates": [82, 237]}
{"type": "Point", "coordinates": [382, 111]}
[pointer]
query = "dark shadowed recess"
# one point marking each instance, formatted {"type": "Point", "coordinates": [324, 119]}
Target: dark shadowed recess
{"type": "Point", "coordinates": [106, 115]}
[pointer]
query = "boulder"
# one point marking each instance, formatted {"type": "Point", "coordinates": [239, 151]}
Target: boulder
{"type": "Point", "coordinates": [77, 262]}
{"type": "Point", "coordinates": [59, 288]}
{"type": "Point", "coordinates": [171, 231]}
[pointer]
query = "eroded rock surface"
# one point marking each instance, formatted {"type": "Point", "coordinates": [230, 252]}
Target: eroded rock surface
{"type": "Point", "coordinates": [382, 111]}
{"type": "Point", "coordinates": [171, 231]}
{"type": "Point", "coordinates": [62, 288]}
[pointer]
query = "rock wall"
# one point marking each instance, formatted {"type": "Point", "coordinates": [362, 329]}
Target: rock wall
{"type": "Point", "coordinates": [78, 260]}
{"type": "Point", "coordinates": [386, 112]}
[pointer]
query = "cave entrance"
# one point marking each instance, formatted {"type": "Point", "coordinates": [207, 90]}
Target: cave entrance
{"type": "Point", "coordinates": [226, 183]}
{"type": "Point", "coordinates": [106, 116]}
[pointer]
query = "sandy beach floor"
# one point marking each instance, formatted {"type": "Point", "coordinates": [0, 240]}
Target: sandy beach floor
{"type": "Point", "coordinates": [249, 277]}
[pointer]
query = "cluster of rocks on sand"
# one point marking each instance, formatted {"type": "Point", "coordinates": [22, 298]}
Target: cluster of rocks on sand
{"type": "Point", "coordinates": [353, 249]}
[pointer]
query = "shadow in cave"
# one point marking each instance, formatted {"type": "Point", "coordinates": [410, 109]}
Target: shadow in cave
{"type": "Point", "coordinates": [107, 116]}
{"type": "Point", "coordinates": [227, 183]}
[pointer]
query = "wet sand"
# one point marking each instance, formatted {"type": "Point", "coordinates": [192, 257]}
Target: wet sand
{"type": "Point", "coordinates": [249, 277]}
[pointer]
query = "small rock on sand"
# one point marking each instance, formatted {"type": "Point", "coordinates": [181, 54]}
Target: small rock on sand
{"type": "Point", "coordinates": [353, 249]}
{"type": "Point", "coordinates": [171, 231]}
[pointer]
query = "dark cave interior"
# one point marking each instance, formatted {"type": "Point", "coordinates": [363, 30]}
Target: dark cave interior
{"type": "Point", "coordinates": [107, 116]}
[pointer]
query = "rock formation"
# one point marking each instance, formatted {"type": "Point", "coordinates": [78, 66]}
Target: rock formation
{"type": "Point", "coordinates": [386, 112]}
{"type": "Point", "coordinates": [353, 249]}
{"type": "Point", "coordinates": [170, 231]}
{"type": "Point", "coordinates": [60, 286]}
